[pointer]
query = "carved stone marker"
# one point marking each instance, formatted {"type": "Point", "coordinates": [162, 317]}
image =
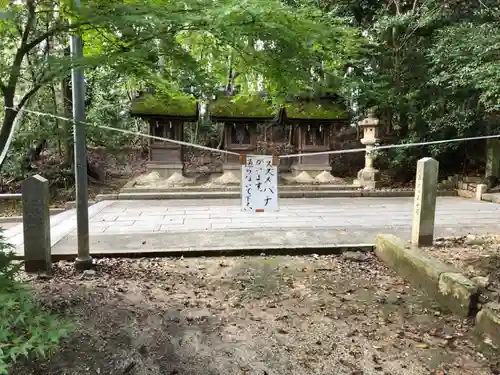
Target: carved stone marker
{"type": "Point", "coordinates": [424, 210]}
{"type": "Point", "coordinates": [493, 158]}
{"type": "Point", "coordinates": [36, 223]}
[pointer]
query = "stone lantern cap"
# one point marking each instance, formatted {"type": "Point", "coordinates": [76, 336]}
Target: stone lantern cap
{"type": "Point", "coordinates": [370, 121]}
{"type": "Point", "coordinates": [370, 131]}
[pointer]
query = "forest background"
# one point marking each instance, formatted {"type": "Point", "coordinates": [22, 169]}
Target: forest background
{"type": "Point", "coordinates": [430, 67]}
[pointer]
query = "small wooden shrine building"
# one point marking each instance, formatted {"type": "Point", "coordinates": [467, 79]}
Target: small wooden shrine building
{"type": "Point", "coordinates": [166, 117]}
{"type": "Point", "coordinates": [241, 117]}
{"type": "Point", "coordinates": [315, 121]}
{"type": "Point", "coordinates": [311, 120]}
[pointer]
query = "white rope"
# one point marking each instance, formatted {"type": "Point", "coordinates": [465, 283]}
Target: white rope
{"type": "Point", "coordinates": [133, 133]}
{"type": "Point", "coordinates": [401, 145]}
{"type": "Point", "coordinates": [361, 149]}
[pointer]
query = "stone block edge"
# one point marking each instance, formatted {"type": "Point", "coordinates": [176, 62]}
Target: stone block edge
{"type": "Point", "coordinates": [448, 286]}
{"type": "Point", "coordinates": [458, 293]}
{"type": "Point", "coordinates": [283, 194]}
{"type": "Point", "coordinates": [488, 323]}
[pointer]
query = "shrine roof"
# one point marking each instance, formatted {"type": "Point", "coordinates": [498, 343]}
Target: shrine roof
{"type": "Point", "coordinates": [315, 110]}
{"type": "Point", "coordinates": [160, 105]}
{"type": "Point", "coordinates": [252, 107]}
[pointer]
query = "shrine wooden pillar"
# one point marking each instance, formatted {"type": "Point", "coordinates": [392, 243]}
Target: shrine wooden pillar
{"type": "Point", "coordinates": [166, 158]}
{"type": "Point", "coordinates": [316, 121]}
{"type": "Point", "coordinates": [241, 119]}
{"type": "Point", "coordinates": [166, 117]}
{"type": "Point", "coordinates": [239, 137]}
{"type": "Point", "coordinates": [313, 138]}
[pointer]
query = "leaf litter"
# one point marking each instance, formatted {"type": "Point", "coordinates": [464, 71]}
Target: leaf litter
{"type": "Point", "coordinates": [263, 315]}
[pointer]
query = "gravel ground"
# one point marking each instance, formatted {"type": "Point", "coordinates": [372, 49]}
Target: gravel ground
{"type": "Point", "coordinates": [252, 316]}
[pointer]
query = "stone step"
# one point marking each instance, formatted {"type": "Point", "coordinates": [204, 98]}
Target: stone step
{"type": "Point", "coordinates": [236, 188]}
{"type": "Point", "coordinates": [282, 194]}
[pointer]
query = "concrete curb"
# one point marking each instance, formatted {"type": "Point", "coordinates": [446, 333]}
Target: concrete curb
{"type": "Point", "coordinates": [11, 197]}
{"type": "Point", "coordinates": [72, 204]}
{"type": "Point", "coordinates": [447, 285]}
{"type": "Point", "coordinates": [282, 194]}
{"type": "Point", "coordinates": [220, 252]}
{"type": "Point", "coordinates": [18, 219]}
{"type": "Point", "coordinates": [236, 188]}
{"type": "Point", "coordinates": [490, 197]}
{"type": "Point", "coordinates": [450, 288]}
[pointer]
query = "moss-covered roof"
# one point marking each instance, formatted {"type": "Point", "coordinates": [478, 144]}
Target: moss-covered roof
{"type": "Point", "coordinates": [315, 110]}
{"type": "Point", "coordinates": [255, 106]}
{"type": "Point", "coordinates": [181, 105]}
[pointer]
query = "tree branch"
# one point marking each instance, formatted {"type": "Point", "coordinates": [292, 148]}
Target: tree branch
{"type": "Point", "coordinates": [18, 58]}
{"type": "Point", "coordinates": [414, 7]}
{"type": "Point", "coordinates": [29, 94]}
{"type": "Point", "coordinates": [61, 28]}
{"type": "Point", "coordinates": [30, 4]}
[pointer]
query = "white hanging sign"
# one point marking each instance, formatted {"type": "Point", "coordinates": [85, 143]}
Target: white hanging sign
{"type": "Point", "coordinates": [259, 183]}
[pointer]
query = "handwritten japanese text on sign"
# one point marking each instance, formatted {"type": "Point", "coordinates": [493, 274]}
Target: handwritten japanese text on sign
{"type": "Point", "coordinates": [259, 184]}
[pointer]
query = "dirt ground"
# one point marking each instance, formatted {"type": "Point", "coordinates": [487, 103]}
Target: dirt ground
{"type": "Point", "coordinates": [115, 168]}
{"type": "Point", "coordinates": [342, 315]}
{"type": "Point", "coordinates": [478, 257]}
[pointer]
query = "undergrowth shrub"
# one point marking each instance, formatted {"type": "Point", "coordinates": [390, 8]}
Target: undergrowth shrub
{"type": "Point", "coordinates": [26, 330]}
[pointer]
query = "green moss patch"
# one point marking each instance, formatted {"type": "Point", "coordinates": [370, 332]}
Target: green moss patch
{"type": "Point", "coordinates": [243, 107]}
{"type": "Point", "coordinates": [315, 110]}
{"type": "Point", "coordinates": [179, 105]}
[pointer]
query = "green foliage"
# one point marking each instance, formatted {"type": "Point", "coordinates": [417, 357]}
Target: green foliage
{"type": "Point", "coordinates": [163, 44]}
{"type": "Point", "coordinates": [432, 71]}
{"type": "Point", "coordinates": [108, 103]}
{"type": "Point", "coordinates": [26, 331]}
{"type": "Point", "coordinates": [315, 110]}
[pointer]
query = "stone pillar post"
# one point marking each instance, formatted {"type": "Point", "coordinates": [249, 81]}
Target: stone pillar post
{"type": "Point", "coordinates": [493, 158]}
{"type": "Point", "coordinates": [424, 209]}
{"type": "Point", "coordinates": [368, 176]}
{"type": "Point", "coordinates": [36, 223]}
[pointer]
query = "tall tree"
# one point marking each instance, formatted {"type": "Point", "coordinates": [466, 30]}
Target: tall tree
{"type": "Point", "coordinates": [431, 69]}
{"type": "Point", "coordinates": [131, 37]}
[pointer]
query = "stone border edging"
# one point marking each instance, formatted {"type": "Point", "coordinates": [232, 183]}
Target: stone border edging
{"type": "Point", "coordinates": [18, 219]}
{"type": "Point", "coordinates": [448, 286]}
{"type": "Point", "coordinates": [490, 197]}
{"type": "Point", "coordinates": [235, 188]}
{"type": "Point", "coordinates": [11, 197]}
{"type": "Point", "coordinates": [282, 194]}
{"type": "Point", "coordinates": [222, 251]}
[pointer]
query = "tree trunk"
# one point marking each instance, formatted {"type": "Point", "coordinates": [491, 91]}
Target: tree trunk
{"type": "Point", "coordinates": [67, 107]}
{"type": "Point", "coordinates": [67, 125]}
{"type": "Point", "coordinates": [8, 121]}
{"type": "Point", "coordinates": [57, 121]}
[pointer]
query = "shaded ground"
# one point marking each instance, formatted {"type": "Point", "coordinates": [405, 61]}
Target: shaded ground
{"type": "Point", "coordinates": [262, 315]}
{"type": "Point", "coordinates": [477, 256]}
{"type": "Point", "coordinates": [10, 208]}
{"type": "Point", "coordinates": [115, 169]}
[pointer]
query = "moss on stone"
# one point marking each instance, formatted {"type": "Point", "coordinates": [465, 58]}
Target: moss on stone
{"type": "Point", "coordinates": [254, 106]}
{"type": "Point", "coordinates": [315, 110]}
{"type": "Point", "coordinates": [166, 105]}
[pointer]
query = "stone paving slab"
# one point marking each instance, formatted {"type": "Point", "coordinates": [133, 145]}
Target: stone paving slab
{"type": "Point", "coordinates": [174, 224]}
{"type": "Point", "coordinates": [8, 225]}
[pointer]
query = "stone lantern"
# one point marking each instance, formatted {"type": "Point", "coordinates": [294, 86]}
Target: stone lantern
{"type": "Point", "coordinates": [368, 176]}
